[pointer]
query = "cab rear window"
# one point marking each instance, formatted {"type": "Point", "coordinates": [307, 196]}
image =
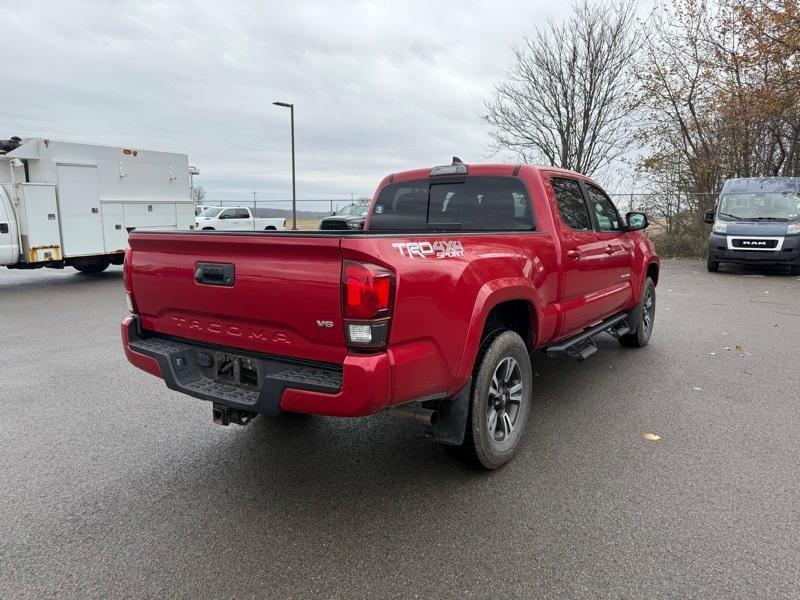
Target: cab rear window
{"type": "Point", "coordinates": [473, 203]}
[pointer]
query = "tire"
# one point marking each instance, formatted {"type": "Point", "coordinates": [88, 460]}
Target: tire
{"type": "Point", "coordinates": [208, 229]}
{"type": "Point", "coordinates": [647, 314]}
{"type": "Point", "coordinates": [491, 439]}
{"type": "Point", "coordinates": [794, 270]}
{"type": "Point", "coordinates": [93, 268]}
{"type": "Point", "coordinates": [712, 265]}
{"type": "Point", "coordinates": [270, 228]}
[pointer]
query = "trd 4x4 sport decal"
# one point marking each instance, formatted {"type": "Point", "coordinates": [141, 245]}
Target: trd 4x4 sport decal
{"type": "Point", "coordinates": [438, 249]}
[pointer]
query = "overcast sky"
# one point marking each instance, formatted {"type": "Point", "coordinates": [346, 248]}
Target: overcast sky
{"type": "Point", "coordinates": [378, 87]}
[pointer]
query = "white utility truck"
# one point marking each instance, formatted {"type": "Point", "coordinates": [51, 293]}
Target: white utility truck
{"type": "Point", "coordinates": [68, 204]}
{"type": "Point", "coordinates": [238, 218]}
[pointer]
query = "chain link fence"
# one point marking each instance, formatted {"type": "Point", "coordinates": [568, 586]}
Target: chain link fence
{"type": "Point", "coordinates": [676, 218]}
{"type": "Point", "coordinates": [309, 211]}
{"type": "Point", "coordinates": [677, 227]}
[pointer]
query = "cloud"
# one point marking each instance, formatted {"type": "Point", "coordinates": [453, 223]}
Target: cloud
{"type": "Point", "coordinates": [378, 87]}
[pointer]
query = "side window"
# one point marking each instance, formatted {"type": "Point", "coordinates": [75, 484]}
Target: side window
{"type": "Point", "coordinates": [401, 206]}
{"type": "Point", "coordinates": [571, 206]}
{"type": "Point", "coordinates": [241, 213]}
{"type": "Point", "coordinates": [227, 214]}
{"type": "Point", "coordinates": [606, 213]}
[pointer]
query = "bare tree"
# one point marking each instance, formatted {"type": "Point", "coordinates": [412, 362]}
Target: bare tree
{"type": "Point", "coordinates": [198, 194]}
{"type": "Point", "coordinates": [569, 94]}
{"type": "Point", "coordinates": [718, 92]}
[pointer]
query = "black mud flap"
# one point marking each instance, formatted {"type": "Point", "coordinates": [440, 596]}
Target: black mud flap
{"type": "Point", "coordinates": [451, 425]}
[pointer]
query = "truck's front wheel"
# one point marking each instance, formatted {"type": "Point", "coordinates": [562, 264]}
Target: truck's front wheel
{"type": "Point", "coordinates": [500, 402]}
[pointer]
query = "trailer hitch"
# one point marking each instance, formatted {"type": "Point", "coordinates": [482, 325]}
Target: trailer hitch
{"type": "Point", "coordinates": [225, 415]}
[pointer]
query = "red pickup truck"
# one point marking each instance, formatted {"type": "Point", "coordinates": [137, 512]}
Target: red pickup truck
{"type": "Point", "coordinates": [433, 311]}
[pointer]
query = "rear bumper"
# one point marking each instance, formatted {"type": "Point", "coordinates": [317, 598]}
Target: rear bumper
{"type": "Point", "coordinates": [789, 254]}
{"type": "Point", "coordinates": [360, 386]}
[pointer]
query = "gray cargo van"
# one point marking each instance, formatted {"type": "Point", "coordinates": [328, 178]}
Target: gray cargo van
{"type": "Point", "coordinates": [756, 221]}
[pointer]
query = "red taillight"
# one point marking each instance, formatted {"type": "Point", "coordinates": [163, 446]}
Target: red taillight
{"type": "Point", "coordinates": [367, 296]}
{"type": "Point", "coordinates": [366, 290]}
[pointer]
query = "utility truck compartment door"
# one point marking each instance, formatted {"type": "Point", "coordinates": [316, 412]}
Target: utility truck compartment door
{"type": "Point", "coordinates": [79, 201]}
{"type": "Point", "coordinates": [115, 236]}
{"type": "Point", "coordinates": [154, 215]}
{"type": "Point", "coordinates": [41, 238]}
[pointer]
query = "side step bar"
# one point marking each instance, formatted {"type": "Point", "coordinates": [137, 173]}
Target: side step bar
{"type": "Point", "coordinates": [582, 345]}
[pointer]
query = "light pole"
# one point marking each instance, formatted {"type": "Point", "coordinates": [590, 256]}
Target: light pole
{"type": "Point", "coordinates": [294, 193]}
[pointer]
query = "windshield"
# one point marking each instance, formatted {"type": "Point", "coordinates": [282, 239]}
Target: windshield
{"type": "Point", "coordinates": [355, 210]}
{"type": "Point", "coordinates": [211, 212]}
{"type": "Point", "coordinates": [767, 206]}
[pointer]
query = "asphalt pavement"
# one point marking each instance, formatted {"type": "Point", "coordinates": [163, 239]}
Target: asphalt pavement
{"type": "Point", "coordinates": [112, 486]}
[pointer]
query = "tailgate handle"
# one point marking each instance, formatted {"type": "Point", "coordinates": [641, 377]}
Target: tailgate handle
{"type": "Point", "coordinates": [214, 274]}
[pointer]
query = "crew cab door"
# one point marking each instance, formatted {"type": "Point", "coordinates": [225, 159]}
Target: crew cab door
{"type": "Point", "coordinates": [615, 276]}
{"type": "Point", "coordinates": [9, 253]}
{"type": "Point", "coordinates": [235, 219]}
{"type": "Point", "coordinates": [583, 258]}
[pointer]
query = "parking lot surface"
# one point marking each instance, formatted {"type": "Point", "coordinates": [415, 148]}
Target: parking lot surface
{"type": "Point", "coordinates": [112, 486]}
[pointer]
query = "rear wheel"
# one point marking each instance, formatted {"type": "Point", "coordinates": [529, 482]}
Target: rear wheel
{"type": "Point", "coordinates": [93, 268]}
{"type": "Point", "coordinates": [647, 314]}
{"type": "Point", "coordinates": [712, 265]}
{"type": "Point", "coordinates": [794, 269]}
{"type": "Point", "coordinates": [270, 228]}
{"type": "Point", "coordinates": [500, 402]}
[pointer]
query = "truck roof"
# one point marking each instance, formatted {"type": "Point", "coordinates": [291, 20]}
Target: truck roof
{"type": "Point", "coordinates": [497, 169]}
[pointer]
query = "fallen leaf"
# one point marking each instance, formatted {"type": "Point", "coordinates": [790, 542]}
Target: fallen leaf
{"type": "Point", "coordinates": [728, 348]}
{"type": "Point", "coordinates": [697, 389]}
{"type": "Point", "coordinates": [739, 348]}
{"type": "Point", "coordinates": [651, 437]}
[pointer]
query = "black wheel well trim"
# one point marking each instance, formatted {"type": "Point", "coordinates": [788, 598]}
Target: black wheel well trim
{"type": "Point", "coordinates": [516, 315]}
{"type": "Point", "coordinates": [653, 271]}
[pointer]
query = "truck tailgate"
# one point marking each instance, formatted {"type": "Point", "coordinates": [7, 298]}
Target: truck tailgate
{"type": "Point", "coordinates": [284, 299]}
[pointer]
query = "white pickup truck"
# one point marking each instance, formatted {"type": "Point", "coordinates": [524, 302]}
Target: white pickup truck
{"type": "Point", "coordinates": [237, 218]}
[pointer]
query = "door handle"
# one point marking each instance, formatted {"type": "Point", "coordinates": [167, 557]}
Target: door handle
{"type": "Point", "coordinates": [573, 254]}
{"type": "Point", "coordinates": [214, 274]}
{"type": "Point", "coordinates": [608, 250]}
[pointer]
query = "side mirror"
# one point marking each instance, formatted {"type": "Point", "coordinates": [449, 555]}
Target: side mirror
{"type": "Point", "coordinates": [709, 217]}
{"type": "Point", "coordinates": [636, 221]}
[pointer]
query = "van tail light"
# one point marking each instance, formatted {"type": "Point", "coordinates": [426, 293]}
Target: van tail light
{"type": "Point", "coordinates": [126, 283]}
{"type": "Point", "coordinates": [367, 303]}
